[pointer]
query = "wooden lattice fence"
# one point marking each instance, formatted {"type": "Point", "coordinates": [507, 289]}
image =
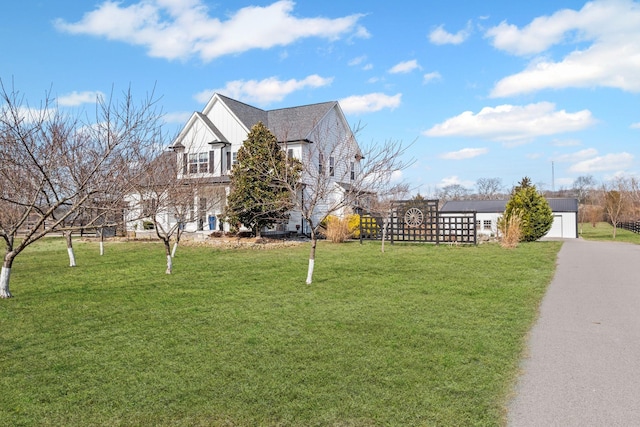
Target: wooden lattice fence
{"type": "Point", "coordinates": [419, 221]}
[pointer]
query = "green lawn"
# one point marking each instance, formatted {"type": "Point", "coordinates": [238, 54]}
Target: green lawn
{"type": "Point", "coordinates": [419, 335]}
{"type": "Point", "coordinates": [604, 231]}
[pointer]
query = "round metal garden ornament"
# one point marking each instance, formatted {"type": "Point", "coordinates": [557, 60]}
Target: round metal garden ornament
{"type": "Point", "coordinates": [413, 217]}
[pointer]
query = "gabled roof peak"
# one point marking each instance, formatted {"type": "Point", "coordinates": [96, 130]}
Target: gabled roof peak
{"type": "Point", "coordinates": [289, 123]}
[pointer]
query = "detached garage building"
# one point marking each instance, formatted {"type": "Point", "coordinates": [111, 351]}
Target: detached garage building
{"type": "Point", "coordinates": [565, 215]}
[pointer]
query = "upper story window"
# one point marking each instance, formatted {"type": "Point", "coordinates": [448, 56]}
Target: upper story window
{"type": "Point", "coordinates": [353, 170]}
{"type": "Point", "coordinates": [332, 166]}
{"type": "Point", "coordinates": [232, 159]}
{"type": "Point", "coordinates": [320, 163]}
{"type": "Point", "coordinates": [198, 162]}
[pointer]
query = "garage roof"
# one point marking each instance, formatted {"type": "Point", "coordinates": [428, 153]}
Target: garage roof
{"type": "Point", "coordinates": [498, 206]}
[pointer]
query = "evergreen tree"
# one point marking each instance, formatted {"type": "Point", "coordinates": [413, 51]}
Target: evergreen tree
{"type": "Point", "coordinates": [258, 197]}
{"type": "Point", "coordinates": [535, 213]}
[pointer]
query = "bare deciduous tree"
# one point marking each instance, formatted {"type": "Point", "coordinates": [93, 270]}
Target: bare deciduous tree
{"type": "Point", "coordinates": [53, 165]}
{"type": "Point", "coordinates": [337, 175]}
{"type": "Point", "coordinates": [489, 188]}
{"type": "Point", "coordinates": [382, 203]}
{"type": "Point", "coordinates": [453, 192]}
{"type": "Point", "coordinates": [170, 202]}
{"type": "Point", "coordinates": [583, 187]}
{"type": "Point", "coordinates": [616, 201]}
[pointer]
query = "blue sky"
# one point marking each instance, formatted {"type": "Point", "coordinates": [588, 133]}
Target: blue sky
{"type": "Point", "coordinates": [492, 89]}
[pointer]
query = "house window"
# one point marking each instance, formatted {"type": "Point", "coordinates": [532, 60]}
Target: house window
{"type": "Point", "coordinates": [353, 171]}
{"type": "Point", "coordinates": [149, 207]}
{"type": "Point", "coordinates": [320, 163]}
{"type": "Point", "coordinates": [486, 224]}
{"type": "Point", "coordinates": [203, 162]}
{"type": "Point", "coordinates": [228, 160]}
{"type": "Point", "coordinates": [235, 157]}
{"type": "Point", "coordinates": [198, 162]}
{"type": "Point", "coordinates": [290, 153]}
{"type": "Point", "coordinates": [332, 169]}
{"type": "Point", "coordinates": [193, 163]}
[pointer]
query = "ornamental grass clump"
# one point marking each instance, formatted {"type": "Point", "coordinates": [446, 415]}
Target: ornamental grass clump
{"type": "Point", "coordinates": [336, 229]}
{"type": "Point", "coordinates": [510, 229]}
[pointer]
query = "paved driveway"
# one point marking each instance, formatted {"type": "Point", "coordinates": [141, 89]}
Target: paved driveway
{"type": "Point", "coordinates": [583, 363]}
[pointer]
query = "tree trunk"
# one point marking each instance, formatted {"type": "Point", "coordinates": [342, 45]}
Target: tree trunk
{"type": "Point", "coordinates": [173, 251]}
{"type": "Point", "coordinates": [169, 264]}
{"type": "Point", "coordinates": [167, 250]}
{"type": "Point", "coordinates": [101, 242]}
{"type": "Point", "coordinates": [384, 234]}
{"type": "Point", "coordinates": [312, 257]}
{"type": "Point", "coordinates": [72, 256]}
{"type": "Point", "coordinates": [5, 275]}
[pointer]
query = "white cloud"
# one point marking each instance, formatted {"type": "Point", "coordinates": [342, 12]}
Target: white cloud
{"type": "Point", "coordinates": [369, 103]}
{"type": "Point", "coordinates": [26, 114]}
{"type": "Point", "coordinates": [465, 153]}
{"type": "Point", "coordinates": [612, 29]}
{"type": "Point", "coordinates": [357, 61]}
{"type": "Point", "coordinates": [440, 36]}
{"type": "Point", "coordinates": [454, 180]}
{"type": "Point", "coordinates": [264, 91]}
{"type": "Point", "coordinates": [74, 98]}
{"type": "Point", "coordinates": [431, 77]}
{"type": "Point", "coordinates": [511, 123]}
{"type": "Point", "coordinates": [182, 29]}
{"type": "Point", "coordinates": [635, 126]}
{"type": "Point", "coordinates": [578, 156]}
{"type": "Point", "coordinates": [179, 117]}
{"type": "Point", "coordinates": [405, 67]}
{"type": "Point", "coordinates": [396, 177]}
{"type": "Point", "coordinates": [609, 162]}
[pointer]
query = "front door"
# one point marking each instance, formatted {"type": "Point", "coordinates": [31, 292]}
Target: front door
{"type": "Point", "coordinates": [212, 222]}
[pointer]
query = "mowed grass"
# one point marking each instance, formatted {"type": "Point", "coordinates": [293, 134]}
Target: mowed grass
{"type": "Point", "coordinates": [418, 336]}
{"type": "Point", "coordinates": [603, 231]}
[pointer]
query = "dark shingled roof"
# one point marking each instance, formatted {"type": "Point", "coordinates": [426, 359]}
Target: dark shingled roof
{"type": "Point", "coordinates": [290, 124]}
{"type": "Point", "coordinates": [247, 114]}
{"type": "Point", "coordinates": [481, 206]}
{"type": "Point", "coordinates": [496, 206]}
{"type": "Point", "coordinates": [304, 119]}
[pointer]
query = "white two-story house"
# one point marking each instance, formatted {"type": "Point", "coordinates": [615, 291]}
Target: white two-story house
{"type": "Point", "coordinates": [317, 134]}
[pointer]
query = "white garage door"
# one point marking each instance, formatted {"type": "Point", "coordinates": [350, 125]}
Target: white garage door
{"type": "Point", "coordinates": [556, 227]}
